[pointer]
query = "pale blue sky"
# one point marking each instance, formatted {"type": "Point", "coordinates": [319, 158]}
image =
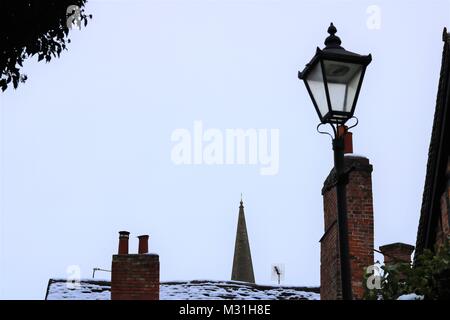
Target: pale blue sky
{"type": "Point", "coordinates": [85, 142]}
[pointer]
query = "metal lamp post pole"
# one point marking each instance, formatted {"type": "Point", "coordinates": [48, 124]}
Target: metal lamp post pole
{"type": "Point", "coordinates": [330, 67]}
{"type": "Point", "coordinates": [341, 181]}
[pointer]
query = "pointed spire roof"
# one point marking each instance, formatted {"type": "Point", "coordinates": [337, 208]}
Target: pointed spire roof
{"type": "Point", "coordinates": [242, 262]}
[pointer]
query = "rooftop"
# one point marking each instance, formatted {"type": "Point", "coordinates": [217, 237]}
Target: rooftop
{"type": "Point", "coordinates": [438, 153]}
{"type": "Point", "coordinates": [61, 289]}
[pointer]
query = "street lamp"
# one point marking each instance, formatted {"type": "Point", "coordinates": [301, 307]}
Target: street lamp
{"type": "Point", "coordinates": [333, 79]}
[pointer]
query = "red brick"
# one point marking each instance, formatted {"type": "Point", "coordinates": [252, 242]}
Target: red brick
{"type": "Point", "coordinates": [360, 228]}
{"type": "Point", "coordinates": [135, 277]}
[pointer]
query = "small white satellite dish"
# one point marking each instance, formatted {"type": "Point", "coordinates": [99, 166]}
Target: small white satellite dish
{"type": "Point", "coordinates": [277, 272]}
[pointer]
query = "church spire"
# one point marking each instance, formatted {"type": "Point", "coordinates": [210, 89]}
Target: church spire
{"type": "Point", "coordinates": [242, 262]}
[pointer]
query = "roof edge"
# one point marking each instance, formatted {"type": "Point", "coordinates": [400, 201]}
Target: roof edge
{"type": "Point", "coordinates": [436, 148]}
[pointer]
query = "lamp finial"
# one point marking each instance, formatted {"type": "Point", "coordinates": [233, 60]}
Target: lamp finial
{"type": "Point", "coordinates": [332, 29]}
{"type": "Point", "coordinates": [332, 41]}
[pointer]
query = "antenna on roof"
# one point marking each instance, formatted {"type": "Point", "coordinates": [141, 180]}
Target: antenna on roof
{"type": "Point", "coordinates": [98, 269]}
{"type": "Point", "coordinates": [278, 272]}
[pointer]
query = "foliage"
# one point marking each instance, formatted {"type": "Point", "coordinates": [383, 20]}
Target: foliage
{"type": "Point", "coordinates": [33, 27]}
{"type": "Point", "coordinates": [430, 277]}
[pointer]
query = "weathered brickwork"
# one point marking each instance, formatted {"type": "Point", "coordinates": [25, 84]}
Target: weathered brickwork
{"type": "Point", "coordinates": [443, 227]}
{"type": "Point", "coordinates": [135, 277]}
{"type": "Point", "coordinates": [397, 253]}
{"type": "Point", "coordinates": [360, 228]}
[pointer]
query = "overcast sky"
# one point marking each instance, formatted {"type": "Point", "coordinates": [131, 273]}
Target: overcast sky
{"type": "Point", "coordinates": [86, 141]}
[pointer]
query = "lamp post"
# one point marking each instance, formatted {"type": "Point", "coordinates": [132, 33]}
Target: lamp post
{"type": "Point", "coordinates": [333, 79]}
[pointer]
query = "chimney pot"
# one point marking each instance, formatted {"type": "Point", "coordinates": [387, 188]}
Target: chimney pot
{"type": "Point", "coordinates": [348, 138]}
{"type": "Point", "coordinates": [123, 242]}
{"type": "Point", "coordinates": [143, 244]}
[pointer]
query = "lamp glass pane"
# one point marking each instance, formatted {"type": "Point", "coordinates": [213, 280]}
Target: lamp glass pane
{"type": "Point", "coordinates": [317, 87]}
{"type": "Point", "coordinates": [352, 87]}
{"type": "Point", "coordinates": [342, 79]}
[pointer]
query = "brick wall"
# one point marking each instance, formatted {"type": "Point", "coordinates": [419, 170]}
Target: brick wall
{"type": "Point", "coordinates": [397, 253]}
{"type": "Point", "coordinates": [135, 277]}
{"type": "Point", "coordinates": [360, 228]}
{"type": "Point", "coordinates": [330, 288]}
{"type": "Point", "coordinates": [443, 228]}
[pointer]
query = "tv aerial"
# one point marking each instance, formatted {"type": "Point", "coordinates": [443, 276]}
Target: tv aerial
{"type": "Point", "coordinates": [278, 272]}
{"type": "Point", "coordinates": [98, 269]}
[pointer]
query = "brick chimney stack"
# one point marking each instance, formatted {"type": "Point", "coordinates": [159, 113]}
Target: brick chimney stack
{"type": "Point", "coordinates": [134, 276]}
{"type": "Point", "coordinates": [360, 229]}
{"type": "Point", "coordinates": [397, 253]}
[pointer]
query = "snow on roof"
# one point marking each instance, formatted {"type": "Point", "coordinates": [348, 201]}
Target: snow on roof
{"type": "Point", "coordinates": [410, 296]}
{"type": "Point", "coordinates": [60, 289]}
{"type": "Point", "coordinates": [355, 155]}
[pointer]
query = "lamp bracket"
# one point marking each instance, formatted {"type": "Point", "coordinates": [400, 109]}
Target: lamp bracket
{"type": "Point", "coordinates": [357, 121]}
{"type": "Point", "coordinates": [325, 132]}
